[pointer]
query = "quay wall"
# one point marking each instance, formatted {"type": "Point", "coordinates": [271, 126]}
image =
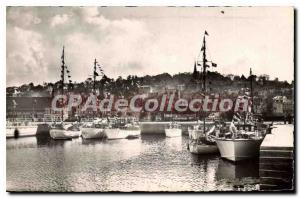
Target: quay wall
{"type": "Point", "coordinates": [159, 127]}
{"type": "Point", "coordinates": [276, 160]}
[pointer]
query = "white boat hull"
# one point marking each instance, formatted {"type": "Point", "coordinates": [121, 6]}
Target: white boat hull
{"type": "Point", "coordinates": [132, 133]}
{"type": "Point", "coordinates": [239, 149]}
{"type": "Point", "coordinates": [23, 131]}
{"type": "Point", "coordinates": [173, 132]}
{"type": "Point", "coordinates": [62, 134]}
{"type": "Point", "coordinates": [115, 133]}
{"type": "Point", "coordinates": [92, 133]}
{"type": "Point", "coordinates": [203, 149]}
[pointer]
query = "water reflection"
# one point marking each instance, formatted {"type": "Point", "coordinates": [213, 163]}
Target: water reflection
{"type": "Point", "coordinates": [150, 163]}
{"type": "Point", "coordinates": [229, 170]}
{"type": "Point", "coordinates": [242, 176]}
{"type": "Point", "coordinates": [174, 143]}
{"type": "Point", "coordinates": [47, 141]}
{"type": "Point", "coordinates": [25, 142]}
{"type": "Point", "coordinates": [92, 141]}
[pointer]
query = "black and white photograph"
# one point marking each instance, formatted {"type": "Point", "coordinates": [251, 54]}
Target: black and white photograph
{"type": "Point", "coordinates": [150, 99]}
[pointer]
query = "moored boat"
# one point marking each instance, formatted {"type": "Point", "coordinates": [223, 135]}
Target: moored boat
{"type": "Point", "coordinates": [64, 131]}
{"type": "Point", "coordinates": [133, 130]}
{"type": "Point", "coordinates": [115, 133]}
{"type": "Point", "coordinates": [239, 149]}
{"type": "Point", "coordinates": [15, 130]}
{"type": "Point", "coordinates": [94, 130]}
{"type": "Point", "coordinates": [243, 143]}
{"type": "Point", "coordinates": [121, 128]}
{"type": "Point", "coordinates": [173, 130]}
{"type": "Point", "coordinates": [201, 142]}
{"type": "Point", "coordinates": [245, 139]}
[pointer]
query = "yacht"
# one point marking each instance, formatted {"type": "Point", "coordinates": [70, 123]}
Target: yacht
{"type": "Point", "coordinates": [64, 131]}
{"type": "Point", "coordinates": [94, 130]}
{"type": "Point", "coordinates": [20, 129]}
{"type": "Point", "coordinates": [121, 128]}
{"type": "Point", "coordinates": [241, 145]}
{"type": "Point", "coordinates": [173, 130]}
{"type": "Point", "coordinates": [202, 141]}
{"type": "Point", "coordinates": [245, 139]}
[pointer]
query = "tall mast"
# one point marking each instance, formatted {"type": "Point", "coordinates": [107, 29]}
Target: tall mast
{"type": "Point", "coordinates": [62, 78]}
{"type": "Point", "coordinates": [204, 75]}
{"type": "Point", "coordinates": [251, 90]}
{"type": "Point", "coordinates": [94, 85]}
{"type": "Point", "coordinates": [63, 70]}
{"type": "Point", "coordinates": [204, 64]}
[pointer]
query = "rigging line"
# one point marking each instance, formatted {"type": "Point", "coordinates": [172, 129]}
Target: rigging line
{"type": "Point", "coordinates": [209, 57]}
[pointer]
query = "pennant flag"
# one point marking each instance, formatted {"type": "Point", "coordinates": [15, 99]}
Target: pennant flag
{"type": "Point", "coordinates": [213, 64]}
{"type": "Point", "coordinates": [68, 71]}
{"type": "Point", "coordinates": [96, 74]}
{"type": "Point", "coordinates": [69, 76]}
{"type": "Point", "coordinates": [206, 33]}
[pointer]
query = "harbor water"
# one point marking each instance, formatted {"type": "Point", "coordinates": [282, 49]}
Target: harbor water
{"type": "Point", "coordinates": [151, 163]}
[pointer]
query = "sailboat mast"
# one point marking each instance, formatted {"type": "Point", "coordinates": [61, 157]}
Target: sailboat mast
{"type": "Point", "coordinates": [204, 75]}
{"type": "Point", "coordinates": [62, 78]}
{"type": "Point", "coordinates": [63, 70]}
{"type": "Point", "coordinates": [94, 85]}
{"type": "Point", "coordinates": [204, 64]}
{"type": "Point", "coordinates": [251, 90]}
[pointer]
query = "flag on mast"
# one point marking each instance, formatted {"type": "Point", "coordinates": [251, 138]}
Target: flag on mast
{"type": "Point", "coordinates": [206, 33]}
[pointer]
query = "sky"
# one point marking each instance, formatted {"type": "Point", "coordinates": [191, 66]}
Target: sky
{"type": "Point", "coordinates": [146, 41]}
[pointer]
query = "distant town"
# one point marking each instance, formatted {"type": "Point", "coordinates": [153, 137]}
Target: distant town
{"type": "Point", "coordinates": [273, 99]}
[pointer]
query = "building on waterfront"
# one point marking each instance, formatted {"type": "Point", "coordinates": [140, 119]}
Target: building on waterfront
{"type": "Point", "coordinates": [282, 106]}
{"type": "Point", "coordinates": [27, 108]}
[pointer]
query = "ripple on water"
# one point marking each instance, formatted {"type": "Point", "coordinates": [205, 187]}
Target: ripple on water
{"type": "Point", "coordinates": [151, 163]}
